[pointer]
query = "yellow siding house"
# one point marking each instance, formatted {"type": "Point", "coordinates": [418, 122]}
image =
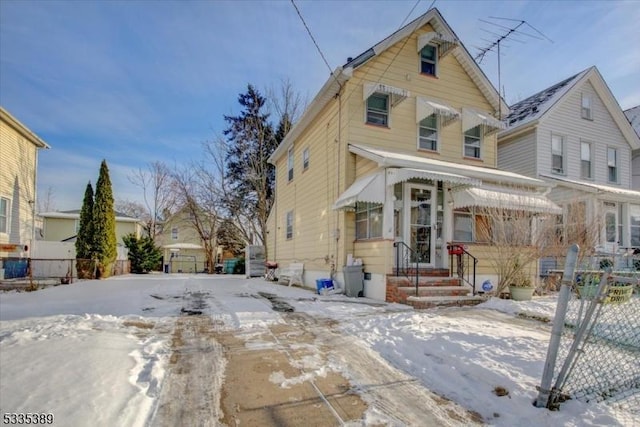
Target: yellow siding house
{"type": "Point", "coordinates": [63, 226]}
{"type": "Point", "coordinates": [397, 147]}
{"type": "Point", "coordinates": [18, 175]}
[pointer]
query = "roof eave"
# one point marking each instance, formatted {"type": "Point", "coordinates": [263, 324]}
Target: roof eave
{"type": "Point", "coordinates": [329, 90]}
{"type": "Point", "coordinates": [16, 124]}
{"type": "Point", "coordinates": [517, 130]}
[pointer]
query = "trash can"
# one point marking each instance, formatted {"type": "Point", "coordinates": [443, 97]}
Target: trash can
{"type": "Point", "coordinates": [353, 280]}
{"type": "Point", "coordinates": [166, 268]}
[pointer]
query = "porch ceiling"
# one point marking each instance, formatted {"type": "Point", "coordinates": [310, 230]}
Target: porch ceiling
{"type": "Point", "coordinates": [395, 175]}
{"type": "Point", "coordinates": [504, 200]}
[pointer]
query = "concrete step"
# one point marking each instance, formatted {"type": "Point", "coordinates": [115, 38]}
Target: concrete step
{"type": "Point", "coordinates": [436, 291]}
{"type": "Point", "coordinates": [423, 281]}
{"type": "Point", "coordinates": [439, 301]}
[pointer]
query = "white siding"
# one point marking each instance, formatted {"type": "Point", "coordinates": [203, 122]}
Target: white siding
{"type": "Point", "coordinates": [602, 132]}
{"type": "Point", "coordinates": [519, 154]}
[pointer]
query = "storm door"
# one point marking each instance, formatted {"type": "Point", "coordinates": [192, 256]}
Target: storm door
{"type": "Point", "coordinates": [420, 214]}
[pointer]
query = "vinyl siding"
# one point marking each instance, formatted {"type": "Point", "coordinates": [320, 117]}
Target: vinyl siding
{"type": "Point", "coordinates": [58, 229]}
{"type": "Point", "coordinates": [635, 174]}
{"type": "Point", "coordinates": [311, 195]}
{"type": "Point", "coordinates": [515, 154]}
{"type": "Point", "coordinates": [399, 67]}
{"type": "Point", "coordinates": [602, 132]}
{"type": "Point", "coordinates": [17, 184]}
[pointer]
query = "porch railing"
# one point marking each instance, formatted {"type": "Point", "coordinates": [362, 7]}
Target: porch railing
{"type": "Point", "coordinates": [464, 266]}
{"type": "Point", "coordinates": [404, 255]}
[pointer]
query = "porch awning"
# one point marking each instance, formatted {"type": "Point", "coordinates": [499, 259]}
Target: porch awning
{"type": "Point", "coordinates": [367, 189]}
{"type": "Point", "coordinates": [397, 94]}
{"type": "Point", "coordinates": [472, 118]}
{"type": "Point", "coordinates": [446, 44]}
{"type": "Point", "coordinates": [426, 107]}
{"type": "Point", "coordinates": [182, 246]}
{"type": "Point", "coordinates": [395, 175]}
{"type": "Point", "coordinates": [504, 200]}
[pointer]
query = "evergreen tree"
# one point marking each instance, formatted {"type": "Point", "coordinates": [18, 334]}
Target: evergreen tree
{"type": "Point", "coordinates": [250, 141]}
{"type": "Point", "coordinates": [144, 255]}
{"type": "Point", "coordinates": [104, 223]}
{"type": "Point", "coordinates": [84, 240]}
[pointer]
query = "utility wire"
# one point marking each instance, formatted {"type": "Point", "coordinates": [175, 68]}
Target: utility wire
{"type": "Point", "coordinates": [315, 42]}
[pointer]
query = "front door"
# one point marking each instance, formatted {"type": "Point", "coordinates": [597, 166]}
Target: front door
{"type": "Point", "coordinates": [420, 214]}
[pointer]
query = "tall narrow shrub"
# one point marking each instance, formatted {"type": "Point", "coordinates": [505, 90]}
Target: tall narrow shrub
{"type": "Point", "coordinates": [104, 223]}
{"type": "Point", "coordinates": [84, 239]}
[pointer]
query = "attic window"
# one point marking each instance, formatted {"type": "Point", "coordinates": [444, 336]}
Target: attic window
{"type": "Point", "coordinates": [586, 107]}
{"type": "Point", "coordinates": [429, 60]}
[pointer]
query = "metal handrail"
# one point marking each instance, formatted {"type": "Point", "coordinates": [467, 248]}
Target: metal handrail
{"type": "Point", "coordinates": [404, 253]}
{"type": "Point", "coordinates": [463, 259]}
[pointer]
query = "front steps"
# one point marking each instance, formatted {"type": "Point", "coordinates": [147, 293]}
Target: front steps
{"type": "Point", "coordinates": [433, 291]}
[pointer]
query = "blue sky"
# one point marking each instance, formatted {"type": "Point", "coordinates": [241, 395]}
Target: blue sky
{"type": "Point", "coordinates": [138, 81]}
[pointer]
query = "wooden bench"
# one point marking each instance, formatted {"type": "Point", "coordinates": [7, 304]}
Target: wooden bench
{"type": "Point", "coordinates": [291, 275]}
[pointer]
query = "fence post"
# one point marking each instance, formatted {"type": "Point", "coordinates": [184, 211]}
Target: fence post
{"type": "Point", "coordinates": [558, 325]}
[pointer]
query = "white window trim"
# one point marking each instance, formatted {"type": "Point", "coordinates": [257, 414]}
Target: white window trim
{"type": "Point", "coordinates": [369, 208]}
{"type": "Point", "coordinates": [305, 159]}
{"type": "Point", "coordinates": [564, 154]}
{"type": "Point", "coordinates": [464, 145]}
{"type": "Point", "coordinates": [586, 112]}
{"type": "Point", "coordinates": [366, 110]}
{"type": "Point", "coordinates": [7, 216]}
{"type": "Point", "coordinates": [288, 221]}
{"type": "Point", "coordinates": [438, 129]}
{"type": "Point", "coordinates": [290, 164]}
{"type": "Point", "coordinates": [617, 180]}
{"type": "Point", "coordinates": [435, 61]}
{"type": "Point", "coordinates": [591, 171]}
{"type": "Point", "coordinates": [174, 235]}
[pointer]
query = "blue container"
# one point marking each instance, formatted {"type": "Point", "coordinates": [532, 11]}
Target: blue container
{"type": "Point", "coordinates": [323, 284]}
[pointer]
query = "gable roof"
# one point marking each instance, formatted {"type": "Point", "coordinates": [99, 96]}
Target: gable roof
{"type": "Point", "coordinates": [75, 214]}
{"type": "Point", "coordinates": [342, 74]}
{"type": "Point", "coordinates": [22, 129]}
{"type": "Point", "coordinates": [633, 115]}
{"type": "Point", "coordinates": [540, 105]}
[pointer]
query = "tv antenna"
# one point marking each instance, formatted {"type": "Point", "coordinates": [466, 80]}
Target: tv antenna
{"type": "Point", "coordinates": [502, 33]}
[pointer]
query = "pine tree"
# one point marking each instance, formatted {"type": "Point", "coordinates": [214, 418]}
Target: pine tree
{"type": "Point", "coordinates": [104, 223]}
{"type": "Point", "coordinates": [84, 239]}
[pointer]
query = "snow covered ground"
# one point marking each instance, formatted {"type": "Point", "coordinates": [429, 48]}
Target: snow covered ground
{"type": "Point", "coordinates": [96, 352]}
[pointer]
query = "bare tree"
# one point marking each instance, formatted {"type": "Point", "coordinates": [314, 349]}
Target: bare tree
{"type": "Point", "coordinates": [132, 209]}
{"type": "Point", "coordinates": [192, 193]}
{"type": "Point", "coordinates": [284, 101]}
{"type": "Point", "coordinates": [156, 184]}
{"type": "Point", "coordinates": [46, 201]}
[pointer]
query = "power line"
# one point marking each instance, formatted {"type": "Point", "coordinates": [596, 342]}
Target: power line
{"type": "Point", "coordinates": [314, 42]}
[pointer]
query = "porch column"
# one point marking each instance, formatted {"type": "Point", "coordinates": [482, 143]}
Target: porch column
{"type": "Point", "coordinates": [387, 211]}
{"type": "Point", "coordinates": [447, 225]}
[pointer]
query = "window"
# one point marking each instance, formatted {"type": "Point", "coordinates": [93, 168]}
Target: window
{"type": "Point", "coordinates": [174, 233]}
{"type": "Point", "coordinates": [368, 221]}
{"type": "Point", "coordinates": [557, 154]}
{"type": "Point", "coordinates": [610, 224]}
{"type": "Point", "coordinates": [586, 107]}
{"type": "Point", "coordinates": [428, 60]}
{"type": "Point", "coordinates": [585, 160]}
{"type": "Point", "coordinates": [463, 226]}
{"type": "Point", "coordinates": [472, 140]}
{"type": "Point", "coordinates": [4, 215]}
{"type": "Point", "coordinates": [634, 222]}
{"type": "Point", "coordinates": [378, 109]}
{"type": "Point", "coordinates": [305, 159]}
{"type": "Point", "coordinates": [290, 164]}
{"type": "Point", "coordinates": [428, 139]}
{"type": "Point", "coordinates": [289, 225]}
{"type": "Point", "coordinates": [612, 164]}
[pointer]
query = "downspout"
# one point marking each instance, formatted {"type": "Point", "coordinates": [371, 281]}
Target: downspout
{"type": "Point", "coordinates": [33, 203]}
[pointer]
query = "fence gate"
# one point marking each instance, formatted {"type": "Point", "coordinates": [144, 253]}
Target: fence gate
{"type": "Point", "coordinates": [594, 353]}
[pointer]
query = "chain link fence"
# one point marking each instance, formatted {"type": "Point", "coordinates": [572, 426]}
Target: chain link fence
{"type": "Point", "coordinates": [594, 353]}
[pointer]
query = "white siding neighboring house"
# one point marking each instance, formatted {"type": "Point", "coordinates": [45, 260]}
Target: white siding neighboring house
{"type": "Point", "coordinates": [633, 114]}
{"type": "Point", "coordinates": [575, 135]}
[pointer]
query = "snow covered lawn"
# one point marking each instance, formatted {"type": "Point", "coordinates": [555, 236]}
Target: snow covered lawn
{"type": "Point", "coordinates": [95, 352]}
